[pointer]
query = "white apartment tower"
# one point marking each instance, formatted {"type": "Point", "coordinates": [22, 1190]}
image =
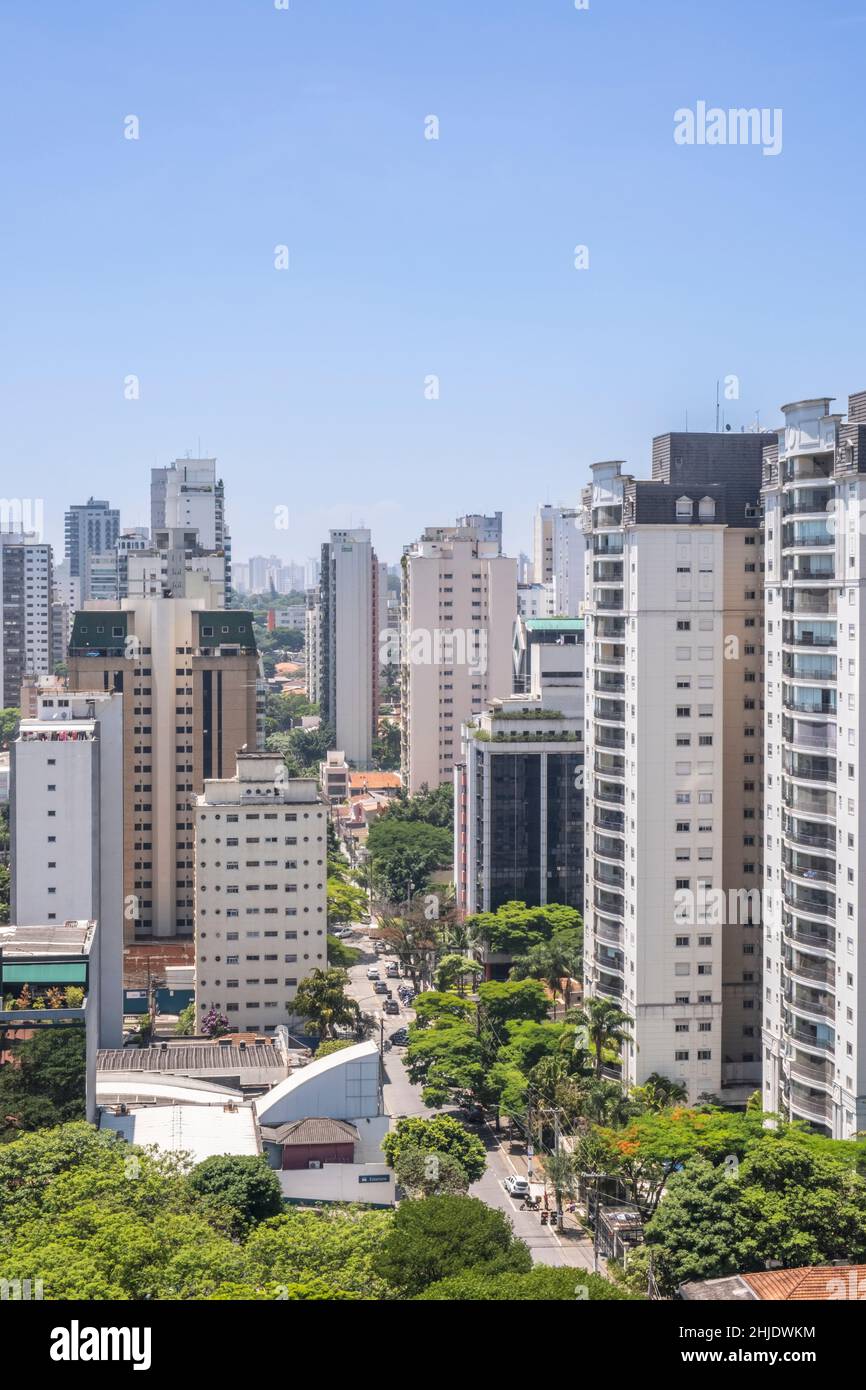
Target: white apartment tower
{"type": "Point", "coordinates": [349, 642]}
{"type": "Point", "coordinates": [458, 605]}
{"type": "Point", "coordinates": [673, 744]}
{"type": "Point", "coordinates": [66, 823]}
{"type": "Point", "coordinates": [815, 869]}
{"type": "Point", "coordinates": [261, 900]}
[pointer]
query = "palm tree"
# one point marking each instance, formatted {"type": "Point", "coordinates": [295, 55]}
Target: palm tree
{"type": "Point", "coordinates": [606, 1104]}
{"type": "Point", "coordinates": [322, 1000]}
{"type": "Point", "coordinates": [563, 1173]}
{"type": "Point", "coordinates": [550, 961]}
{"type": "Point", "coordinates": [606, 1026]}
{"type": "Point", "coordinates": [659, 1092]}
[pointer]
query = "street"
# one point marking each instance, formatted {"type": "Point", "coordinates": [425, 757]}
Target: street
{"type": "Point", "coordinates": [547, 1245]}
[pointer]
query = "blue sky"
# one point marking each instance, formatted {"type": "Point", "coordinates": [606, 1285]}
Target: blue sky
{"type": "Point", "coordinates": [411, 257]}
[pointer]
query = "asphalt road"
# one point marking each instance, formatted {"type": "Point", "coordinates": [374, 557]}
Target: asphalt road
{"type": "Point", "coordinates": [548, 1246]}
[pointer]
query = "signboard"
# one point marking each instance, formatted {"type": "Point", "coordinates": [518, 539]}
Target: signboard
{"type": "Point", "coordinates": [375, 1177]}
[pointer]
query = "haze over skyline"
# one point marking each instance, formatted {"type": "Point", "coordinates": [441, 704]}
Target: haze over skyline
{"type": "Point", "coordinates": [411, 257]}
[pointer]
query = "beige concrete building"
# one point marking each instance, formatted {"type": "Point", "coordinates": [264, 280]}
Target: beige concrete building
{"type": "Point", "coordinates": [189, 674]}
{"type": "Point", "coordinates": [459, 602]}
{"type": "Point", "coordinates": [260, 892]}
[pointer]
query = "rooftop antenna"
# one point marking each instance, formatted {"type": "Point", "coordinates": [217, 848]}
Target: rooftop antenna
{"type": "Point", "coordinates": [717, 405]}
{"type": "Point", "coordinates": [687, 422]}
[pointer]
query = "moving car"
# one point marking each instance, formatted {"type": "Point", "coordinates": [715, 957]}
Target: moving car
{"type": "Point", "coordinates": [380, 987]}
{"type": "Point", "coordinates": [400, 1037]}
{"type": "Point", "coordinates": [392, 971]}
{"type": "Point", "coordinates": [517, 1187]}
{"type": "Point", "coordinates": [372, 972]}
{"type": "Point", "coordinates": [391, 1006]}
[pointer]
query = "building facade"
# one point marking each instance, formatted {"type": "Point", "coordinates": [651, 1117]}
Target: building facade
{"type": "Point", "coordinates": [193, 697]}
{"type": "Point", "coordinates": [188, 496]}
{"type": "Point", "coordinates": [348, 644]}
{"type": "Point", "coordinates": [814, 1033]}
{"type": "Point", "coordinates": [673, 747]}
{"type": "Point", "coordinates": [261, 899]}
{"type": "Point", "coordinates": [519, 789]}
{"type": "Point", "coordinates": [26, 587]}
{"type": "Point", "coordinates": [91, 528]}
{"type": "Point", "coordinates": [458, 605]}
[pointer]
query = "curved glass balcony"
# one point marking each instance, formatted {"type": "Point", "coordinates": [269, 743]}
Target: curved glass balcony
{"type": "Point", "coordinates": [812, 835]}
{"type": "Point", "coordinates": [610, 629]}
{"type": "Point", "coordinates": [806, 501]}
{"type": "Point", "coordinates": [609, 683]}
{"type": "Point", "coordinates": [803, 734]}
{"type": "Point", "coordinates": [609, 848]}
{"type": "Point", "coordinates": [816, 702]}
{"type": "Point", "coordinates": [806, 569]}
{"type": "Point", "coordinates": [809, 968]}
{"type": "Point", "coordinates": [815, 1002]}
{"type": "Point", "coordinates": [608, 600]}
{"type": "Point", "coordinates": [809, 602]}
{"type": "Point", "coordinates": [810, 935]}
{"type": "Point", "coordinates": [609, 793]}
{"type": "Point", "coordinates": [808, 468]}
{"type": "Point", "coordinates": [609, 738]}
{"type": "Point", "coordinates": [611, 710]}
{"type": "Point", "coordinates": [609, 820]}
{"type": "Point", "coordinates": [809, 800]}
{"type": "Point", "coordinates": [814, 902]}
{"type": "Point", "coordinates": [607, 544]}
{"type": "Point", "coordinates": [808, 867]}
{"type": "Point", "coordinates": [808, 767]}
{"type": "Point", "coordinates": [808, 535]}
{"type": "Point", "coordinates": [609, 960]}
{"type": "Point", "coordinates": [608, 875]}
{"type": "Point", "coordinates": [610, 765]}
{"type": "Point", "coordinates": [604, 518]}
{"type": "Point", "coordinates": [606, 929]}
{"type": "Point", "coordinates": [802, 667]}
{"type": "Point", "coordinates": [613, 904]}
{"type": "Point", "coordinates": [804, 633]}
{"type": "Point", "coordinates": [607, 572]}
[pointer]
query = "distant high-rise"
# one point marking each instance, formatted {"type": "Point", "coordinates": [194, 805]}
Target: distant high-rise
{"type": "Point", "coordinates": [26, 585]}
{"type": "Point", "coordinates": [349, 642]}
{"type": "Point", "coordinates": [91, 528]}
{"type": "Point", "coordinates": [487, 528]}
{"type": "Point", "coordinates": [187, 495]}
{"type": "Point", "coordinates": [191, 700]}
{"type": "Point", "coordinates": [458, 605]}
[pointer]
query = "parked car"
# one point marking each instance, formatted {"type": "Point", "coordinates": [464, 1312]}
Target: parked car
{"type": "Point", "coordinates": [341, 932]}
{"type": "Point", "coordinates": [391, 1006]}
{"type": "Point", "coordinates": [380, 987]}
{"type": "Point", "coordinates": [517, 1187]}
{"type": "Point", "coordinates": [372, 972]}
{"type": "Point", "coordinates": [400, 1037]}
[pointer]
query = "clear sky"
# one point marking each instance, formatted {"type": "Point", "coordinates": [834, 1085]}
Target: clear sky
{"type": "Point", "coordinates": [411, 257]}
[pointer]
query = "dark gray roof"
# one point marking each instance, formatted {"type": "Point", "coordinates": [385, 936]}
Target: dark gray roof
{"type": "Point", "coordinates": [314, 1130]}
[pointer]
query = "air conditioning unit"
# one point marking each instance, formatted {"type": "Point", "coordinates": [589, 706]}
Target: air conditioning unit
{"type": "Point", "coordinates": [314, 1163]}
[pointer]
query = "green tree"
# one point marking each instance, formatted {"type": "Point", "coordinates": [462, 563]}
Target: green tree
{"type": "Point", "coordinates": [434, 807]}
{"type": "Point", "coordinates": [405, 853]}
{"type": "Point", "coordinates": [454, 970]}
{"type": "Point", "coordinates": [438, 1237]}
{"type": "Point", "coordinates": [340, 955]}
{"type": "Point", "coordinates": [45, 1083]}
{"type": "Point", "coordinates": [440, 1134]}
{"type": "Point", "coordinates": [321, 999]}
{"type": "Point", "coordinates": [542, 1282]}
{"type": "Point", "coordinates": [10, 718]}
{"type": "Point", "coordinates": [241, 1185]}
{"type": "Point", "coordinates": [340, 1245]}
{"type": "Point", "coordinates": [606, 1026]}
{"type": "Point", "coordinates": [186, 1021]}
{"type": "Point", "coordinates": [513, 929]}
{"type": "Point", "coordinates": [507, 1001]}
{"type": "Point", "coordinates": [660, 1092]}
{"type": "Point", "coordinates": [5, 893]}
{"type": "Point", "coordinates": [555, 962]}
{"type": "Point", "coordinates": [423, 1174]}
{"type": "Point", "coordinates": [325, 1049]}
{"type": "Point", "coordinates": [345, 903]}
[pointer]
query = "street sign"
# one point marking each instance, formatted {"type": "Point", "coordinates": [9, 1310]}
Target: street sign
{"type": "Point", "coordinates": [375, 1177]}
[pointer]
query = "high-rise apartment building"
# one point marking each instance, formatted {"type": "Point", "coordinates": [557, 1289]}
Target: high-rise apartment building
{"type": "Point", "coordinates": [312, 637]}
{"type": "Point", "coordinates": [814, 1034]}
{"type": "Point", "coordinates": [187, 495]}
{"type": "Point", "coordinates": [519, 788]}
{"type": "Point", "coordinates": [673, 750]}
{"type": "Point", "coordinates": [458, 605]}
{"type": "Point", "coordinates": [26, 638]}
{"type": "Point", "coordinates": [349, 642]}
{"type": "Point", "coordinates": [261, 900]}
{"type": "Point", "coordinates": [189, 674]}
{"type": "Point", "coordinates": [66, 823]}
{"type": "Point", "coordinates": [542, 542]}
{"type": "Point", "coordinates": [175, 565]}
{"type": "Point", "coordinates": [91, 528]}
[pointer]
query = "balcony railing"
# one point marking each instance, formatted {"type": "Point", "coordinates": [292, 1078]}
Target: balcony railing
{"type": "Point", "coordinates": [821, 602]}
{"type": "Point", "coordinates": [609, 738]}
{"type": "Point", "coordinates": [808, 767]}
{"type": "Point", "coordinates": [803, 900]}
{"type": "Point", "coordinates": [816, 838]}
{"type": "Point", "coordinates": [605, 821]}
{"type": "Point", "coordinates": [616, 795]}
{"type": "Point", "coordinates": [609, 849]}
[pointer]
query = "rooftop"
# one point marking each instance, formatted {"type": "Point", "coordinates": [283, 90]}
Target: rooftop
{"type": "Point", "coordinates": [200, 1130]}
{"type": "Point", "coordinates": [314, 1130]}
{"type": "Point", "coordinates": [73, 938]}
{"type": "Point", "coordinates": [177, 1057]}
{"type": "Point", "coordinates": [809, 1283]}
